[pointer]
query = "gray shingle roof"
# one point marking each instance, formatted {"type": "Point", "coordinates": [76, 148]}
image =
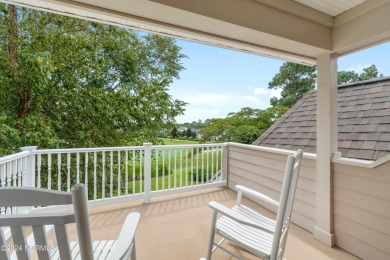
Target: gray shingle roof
{"type": "Point", "coordinates": [363, 122]}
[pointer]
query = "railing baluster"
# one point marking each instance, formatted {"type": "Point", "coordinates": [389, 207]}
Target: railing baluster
{"type": "Point", "coordinates": [49, 171]}
{"type": "Point", "coordinates": [207, 164]}
{"type": "Point", "coordinates": [156, 156]}
{"type": "Point", "coordinates": [133, 171]}
{"type": "Point", "coordinates": [186, 167]}
{"type": "Point", "coordinates": [174, 172]}
{"type": "Point", "coordinates": [181, 168]}
{"type": "Point", "coordinates": [213, 173]}
{"type": "Point", "coordinates": [197, 165]}
{"type": "Point", "coordinates": [2, 184]}
{"type": "Point", "coordinates": [78, 167]}
{"type": "Point", "coordinates": [217, 161]}
{"type": "Point", "coordinates": [68, 162]}
{"type": "Point", "coordinates": [127, 172]}
{"type": "Point", "coordinates": [192, 166]}
{"type": "Point", "coordinates": [39, 165]}
{"type": "Point", "coordinates": [94, 176]}
{"type": "Point", "coordinates": [111, 173]}
{"type": "Point", "coordinates": [169, 169]}
{"type": "Point", "coordinates": [119, 173]}
{"type": "Point", "coordinates": [14, 173]}
{"type": "Point", "coordinates": [22, 171]}
{"type": "Point", "coordinates": [103, 174]}
{"type": "Point", "coordinates": [163, 170]}
{"type": "Point", "coordinates": [86, 173]}
{"type": "Point", "coordinates": [59, 171]}
{"type": "Point", "coordinates": [202, 181]}
{"type": "Point", "coordinates": [141, 187]}
{"type": "Point", "coordinates": [3, 175]}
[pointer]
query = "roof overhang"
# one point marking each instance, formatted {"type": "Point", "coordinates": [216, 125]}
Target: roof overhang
{"type": "Point", "coordinates": [282, 29]}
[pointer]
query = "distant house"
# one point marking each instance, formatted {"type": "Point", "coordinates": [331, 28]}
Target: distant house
{"type": "Point", "coordinates": [197, 130]}
{"type": "Point", "coordinates": [363, 122]}
{"type": "Point", "coordinates": [182, 128]}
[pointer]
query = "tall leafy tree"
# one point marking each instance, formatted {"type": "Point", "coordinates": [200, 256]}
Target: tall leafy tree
{"type": "Point", "coordinates": [67, 82]}
{"type": "Point", "coordinates": [295, 80]}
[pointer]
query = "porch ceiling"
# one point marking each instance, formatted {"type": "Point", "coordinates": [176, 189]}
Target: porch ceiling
{"type": "Point", "coordinates": [283, 29]}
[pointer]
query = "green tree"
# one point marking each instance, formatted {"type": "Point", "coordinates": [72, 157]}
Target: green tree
{"type": "Point", "coordinates": [347, 77]}
{"type": "Point", "coordinates": [244, 126]}
{"type": "Point", "coordinates": [174, 134]}
{"type": "Point", "coordinates": [369, 73]}
{"type": "Point", "coordinates": [67, 82]}
{"type": "Point", "coordinates": [189, 133]}
{"type": "Point", "coordinates": [295, 80]}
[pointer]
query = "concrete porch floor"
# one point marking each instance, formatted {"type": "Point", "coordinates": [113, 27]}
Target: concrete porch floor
{"type": "Point", "coordinates": [176, 227]}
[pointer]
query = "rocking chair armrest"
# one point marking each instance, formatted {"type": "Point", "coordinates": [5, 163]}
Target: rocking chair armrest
{"type": "Point", "coordinates": [258, 195]}
{"type": "Point", "coordinates": [237, 216]}
{"type": "Point", "coordinates": [126, 237]}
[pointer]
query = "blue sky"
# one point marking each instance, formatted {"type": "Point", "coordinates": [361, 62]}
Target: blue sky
{"type": "Point", "coordinates": [218, 81]}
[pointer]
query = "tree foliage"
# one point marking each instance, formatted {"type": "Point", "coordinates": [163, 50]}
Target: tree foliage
{"type": "Point", "coordinates": [244, 126]}
{"type": "Point", "coordinates": [67, 82]}
{"type": "Point", "coordinates": [295, 80]}
{"type": "Point", "coordinates": [350, 76]}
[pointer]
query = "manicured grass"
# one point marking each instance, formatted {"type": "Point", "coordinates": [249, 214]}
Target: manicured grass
{"type": "Point", "coordinates": [182, 169]}
{"type": "Point", "coordinates": [168, 141]}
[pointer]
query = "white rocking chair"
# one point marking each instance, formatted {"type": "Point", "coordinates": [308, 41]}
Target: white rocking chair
{"type": "Point", "coordinates": [84, 249]}
{"type": "Point", "coordinates": [263, 237]}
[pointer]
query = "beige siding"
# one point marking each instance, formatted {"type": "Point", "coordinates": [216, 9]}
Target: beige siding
{"type": "Point", "coordinates": [263, 171]}
{"type": "Point", "coordinates": [362, 210]}
{"type": "Point", "coordinates": [361, 195]}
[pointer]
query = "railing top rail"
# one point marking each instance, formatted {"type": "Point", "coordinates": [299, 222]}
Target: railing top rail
{"type": "Point", "coordinates": [80, 150]}
{"type": "Point", "coordinates": [168, 147]}
{"type": "Point", "coordinates": [123, 148]}
{"type": "Point", "coordinates": [13, 157]}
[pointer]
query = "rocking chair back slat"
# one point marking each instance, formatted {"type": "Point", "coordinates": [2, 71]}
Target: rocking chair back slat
{"type": "Point", "coordinates": [3, 253]}
{"type": "Point", "coordinates": [41, 241]}
{"type": "Point", "coordinates": [20, 240]}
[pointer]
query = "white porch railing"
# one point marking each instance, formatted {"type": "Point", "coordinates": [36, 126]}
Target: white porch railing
{"type": "Point", "coordinates": [118, 172]}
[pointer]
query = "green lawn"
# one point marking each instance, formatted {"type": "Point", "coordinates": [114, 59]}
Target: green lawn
{"type": "Point", "coordinates": [182, 176]}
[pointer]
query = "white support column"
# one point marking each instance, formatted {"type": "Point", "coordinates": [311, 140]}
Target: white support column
{"type": "Point", "coordinates": [30, 166]}
{"type": "Point", "coordinates": [148, 173]}
{"type": "Point", "coordinates": [326, 145]}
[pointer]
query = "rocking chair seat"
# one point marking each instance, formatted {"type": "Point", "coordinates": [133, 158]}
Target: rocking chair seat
{"type": "Point", "coordinates": [256, 241]}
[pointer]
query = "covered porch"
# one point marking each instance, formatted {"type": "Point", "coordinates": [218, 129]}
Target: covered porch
{"type": "Point", "coordinates": [343, 202]}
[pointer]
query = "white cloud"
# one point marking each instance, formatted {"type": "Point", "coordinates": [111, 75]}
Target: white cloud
{"type": "Point", "coordinates": [276, 93]}
{"type": "Point", "coordinates": [358, 68]}
{"type": "Point", "coordinates": [260, 91]}
{"type": "Point", "coordinates": [252, 99]}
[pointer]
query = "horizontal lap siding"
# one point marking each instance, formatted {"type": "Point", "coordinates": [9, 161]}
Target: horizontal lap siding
{"type": "Point", "coordinates": [263, 171]}
{"type": "Point", "coordinates": [362, 210]}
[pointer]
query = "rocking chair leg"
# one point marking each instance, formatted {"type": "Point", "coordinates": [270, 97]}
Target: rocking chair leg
{"type": "Point", "coordinates": [133, 253]}
{"type": "Point", "coordinates": [212, 234]}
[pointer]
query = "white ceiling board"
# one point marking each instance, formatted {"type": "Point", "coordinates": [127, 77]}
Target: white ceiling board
{"type": "Point", "coordinates": [331, 7]}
